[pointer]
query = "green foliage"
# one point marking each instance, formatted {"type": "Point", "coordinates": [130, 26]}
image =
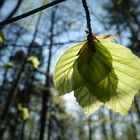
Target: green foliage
{"type": "Point", "coordinates": [66, 76]}
{"type": "Point", "coordinates": [2, 38]}
{"type": "Point", "coordinates": [86, 99]}
{"type": "Point", "coordinates": [91, 62]}
{"type": "Point", "coordinates": [109, 76]}
{"type": "Point", "coordinates": [8, 65]}
{"type": "Point", "coordinates": [34, 61]}
{"type": "Point", "coordinates": [24, 112]}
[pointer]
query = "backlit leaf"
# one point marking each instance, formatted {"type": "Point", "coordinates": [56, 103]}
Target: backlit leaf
{"type": "Point", "coordinates": [127, 76]}
{"type": "Point", "coordinates": [34, 61]}
{"type": "Point", "coordinates": [86, 99]}
{"type": "Point", "coordinates": [94, 66]}
{"type": "Point", "coordinates": [66, 76]}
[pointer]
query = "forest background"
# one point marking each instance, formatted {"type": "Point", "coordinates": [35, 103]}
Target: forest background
{"type": "Point", "coordinates": [29, 104]}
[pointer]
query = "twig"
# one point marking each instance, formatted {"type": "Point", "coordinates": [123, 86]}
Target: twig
{"type": "Point", "coordinates": [87, 16]}
{"type": "Point", "coordinates": [24, 15]}
{"type": "Point", "coordinates": [27, 45]}
{"type": "Point", "coordinates": [90, 37]}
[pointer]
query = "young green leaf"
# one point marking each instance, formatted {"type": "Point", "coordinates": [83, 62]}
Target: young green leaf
{"type": "Point", "coordinates": [34, 61]}
{"type": "Point", "coordinates": [127, 70]}
{"type": "Point", "coordinates": [8, 65]}
{"type": "Point", "coordinates": [94, 66]}
{"type": "Point", "coordinates": [66, 76]}
{"type": "Point", "coordinates": [2, 38]}
{"type": "Point", "coordinates": [24, 112]}
{"type": "Point", "coordinates": [86, 99]}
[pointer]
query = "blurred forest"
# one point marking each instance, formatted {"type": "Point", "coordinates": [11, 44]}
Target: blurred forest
{"type": "Point", "coordinates": [29, 104]}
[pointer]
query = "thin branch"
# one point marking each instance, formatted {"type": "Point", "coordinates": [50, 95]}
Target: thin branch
{"type": "Point", "coordinates": [87, 16]}
{"type": "Point", "coordinates": [44, 45]}
{"type": "Point", "coordinates": [24, 15]}
{"type": "Point", "coordinates": [15, 9]}
{"type": "Point", "coordinates": [90, 36]}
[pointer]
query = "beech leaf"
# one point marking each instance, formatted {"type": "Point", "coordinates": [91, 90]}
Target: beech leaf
{"type": "Point", "coordinates": [66, 76]}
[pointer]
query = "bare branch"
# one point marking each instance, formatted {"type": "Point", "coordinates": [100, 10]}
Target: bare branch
{"type": "Point", "coordinates": [24, 15]}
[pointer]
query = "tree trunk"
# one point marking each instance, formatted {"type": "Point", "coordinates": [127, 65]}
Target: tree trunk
{"type": "Point", "coordinates": [46, 93]}
{"type": "Point", "coordinates": [89, 128]}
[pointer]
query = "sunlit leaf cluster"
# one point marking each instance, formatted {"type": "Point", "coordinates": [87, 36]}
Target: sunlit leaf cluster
{"type": "Point", "coordinates": [108, 76]}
